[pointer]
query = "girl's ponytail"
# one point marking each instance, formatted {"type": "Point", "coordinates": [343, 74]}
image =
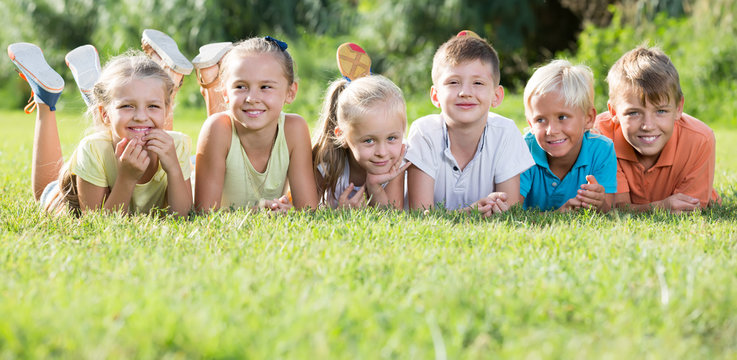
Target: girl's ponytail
{"type": "Point", "coordinates": [328, 150]}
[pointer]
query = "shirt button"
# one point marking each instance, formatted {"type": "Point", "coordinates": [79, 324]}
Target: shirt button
{"type": "Point", "coordinates": [554, 184]}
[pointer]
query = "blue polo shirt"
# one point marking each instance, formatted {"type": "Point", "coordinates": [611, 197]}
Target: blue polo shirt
{"type": "Point", "coordinates": [543, 190]}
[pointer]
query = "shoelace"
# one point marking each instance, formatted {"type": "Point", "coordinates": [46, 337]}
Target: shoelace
{"type": "Point", "coordinates": [31, 106]}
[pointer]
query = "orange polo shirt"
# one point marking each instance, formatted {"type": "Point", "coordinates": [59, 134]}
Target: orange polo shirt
{"type": "Point", "coordinates": [685, 165]}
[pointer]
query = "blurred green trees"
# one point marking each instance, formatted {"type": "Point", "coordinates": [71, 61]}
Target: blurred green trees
{"type": "Point", "coordinates": [400, 35]}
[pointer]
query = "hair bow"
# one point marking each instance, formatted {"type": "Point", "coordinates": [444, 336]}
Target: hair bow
{"type": "Point", "coordinates": [281, 44]}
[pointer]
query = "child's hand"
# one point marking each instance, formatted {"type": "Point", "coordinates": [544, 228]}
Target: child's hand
{"type": "Point", "coordinates": [280, 205]}
{"type": "Point", "coordinates": [161, 143]}
{"type": "Point", "coordinates": [680, 202]}
{"type": "Point", "coordinates": [374, 180]}
{"type": "Point", "coordinates": [357, 201]}
{"type": "Point", "coordinates": [591, 194]}
{"type": "Point", "coordinates": [132, 158]}
{"type": "Point", "coordinates": [494, 203]}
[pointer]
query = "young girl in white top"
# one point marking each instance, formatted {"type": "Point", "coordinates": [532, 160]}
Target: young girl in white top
{"type": "Point", "coordinates": [130, 163]}
{"type": "Point", "coordinates": [246, 154]}
{"type": "Point", "coordinates": [358, 152]}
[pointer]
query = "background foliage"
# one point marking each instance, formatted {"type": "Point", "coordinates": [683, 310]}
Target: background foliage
{"type": "Point", "coordinates": [401, 36]}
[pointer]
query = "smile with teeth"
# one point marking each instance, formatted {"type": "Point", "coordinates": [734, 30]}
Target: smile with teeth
{"type": "Point", "coordinates": [252, 112]}
{"type": "Point", "coordinates": [139, 129]}
{"type": "Point", "coordinates": [556, 142]}
{"type": "Point", "coordinates": [648, 139]}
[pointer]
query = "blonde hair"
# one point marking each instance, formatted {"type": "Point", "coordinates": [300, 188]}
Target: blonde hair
{"type": "Point", "coordinates": [647, 71]}
{"type": "Point", "coordinates": [346, 103]}
{"type": "Point", "coordinates": [460, 49]}
{"type": "Point", "coordinates": [574, 83]}
{"type": "Point", "coordinates": [118, 72]}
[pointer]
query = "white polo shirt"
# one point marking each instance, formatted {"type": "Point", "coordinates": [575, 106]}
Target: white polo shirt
{"type": "Point", "coordinates": [502, 154]}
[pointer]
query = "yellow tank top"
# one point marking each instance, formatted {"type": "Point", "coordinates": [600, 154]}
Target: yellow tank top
{"type": "Point", "coordinates": [244, 186]}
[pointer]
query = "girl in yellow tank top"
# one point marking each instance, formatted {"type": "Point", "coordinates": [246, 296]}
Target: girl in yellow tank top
{"type": "Point", "coordinates": [249, 154]}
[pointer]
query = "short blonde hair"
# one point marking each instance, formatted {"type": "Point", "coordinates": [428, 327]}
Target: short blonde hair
{"type": "Point", "coordinates": [647, 71]}
{"type": "Point", "coordinates": [460, 49]}
{"type": "Point", "coordinates": [574, 83]}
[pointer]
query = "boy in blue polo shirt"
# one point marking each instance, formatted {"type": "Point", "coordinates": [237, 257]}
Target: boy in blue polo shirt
{"type": "Point", "coordinates": [573, 167]}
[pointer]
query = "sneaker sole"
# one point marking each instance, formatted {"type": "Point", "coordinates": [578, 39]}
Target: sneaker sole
{"type": "Point", "coordinates": [167, 48]}
{"type": "Point", "coordinates": [86, 59]}
{"type": "Point", "coordinates": [30, 61]}
{"type": "Point", "coordinates": [353, 61]}
{"type": "Point", "coordinates": [211, 54]}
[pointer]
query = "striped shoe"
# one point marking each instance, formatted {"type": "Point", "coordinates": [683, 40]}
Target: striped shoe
{"type": "Point", "coordinates": [46, 84]}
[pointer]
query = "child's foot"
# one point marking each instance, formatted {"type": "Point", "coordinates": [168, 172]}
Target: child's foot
{"type": "Point", "coordinates": [46, 84]}
{"type": "Point", "coordinates": [85, 65]}
{"type": "Point", "coordinates": [468, 33]}
{"type": "Point", "coordinates": [353, 61]}
{"type": "Point", "coordinates": [206, 62]}
{"type": "Point", "coordinates": [164, 50]}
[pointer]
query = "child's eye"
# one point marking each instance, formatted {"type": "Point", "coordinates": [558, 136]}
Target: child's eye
{"type": "Point", "coordinates": [631, 113]}
{"type": "Point", "coordinates": [478, 83]}
{"type": "Point", "coordinates": [125, 106]}
{"type": "Point", "coordinates": [266, 87]}
{"type": "Point", "coordinates": [368, 141]}
{"type": "Point", "coordinates": [662, 111]}
{"type": "Point", "coordinates": [562, 117]}
{"type": "Point", "coordinates": [540, 120]}
{"type": "Point", "coordinates": [392, 138]}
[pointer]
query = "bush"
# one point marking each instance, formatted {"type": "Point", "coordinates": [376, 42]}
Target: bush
{"type": "Point", "coordinates": [703, 47]}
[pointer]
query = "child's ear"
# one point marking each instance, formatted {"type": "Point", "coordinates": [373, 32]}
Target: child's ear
{"type": "Point", "coordinates": [679, 107]}
{"type": "Point", "coordinates": [103, 114]}
{"type": "Point", "coordinates": [338, 132]}
{"type": "Point", "coordinates": [612, 110]}
{"type": "Point", "coordinates": [291, 92]}
{"type": "Point", "coordinates": [434, 97]}
{"type": "Point", "coordinates": [590, 119]}
{"type": "Point", "coordinates": [498, 96]}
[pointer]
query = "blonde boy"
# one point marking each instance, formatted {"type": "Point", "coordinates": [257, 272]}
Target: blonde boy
{"type": "Point", "coordinates": [665, 158]}
{"type": "Point", "coordinates": [573, 167]}
{"type": "Point", "coordinates": [465, 157]}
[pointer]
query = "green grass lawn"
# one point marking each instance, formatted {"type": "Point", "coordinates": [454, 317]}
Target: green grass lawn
{"type": "Point", "coordinates": [364, 284]}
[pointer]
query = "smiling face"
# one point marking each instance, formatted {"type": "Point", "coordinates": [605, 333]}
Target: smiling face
{"type": "Point", "coordinates": [256, 90]}
{"type": "Point", "coordinates": [137, 106]}
{"type": "Point", "coordinates": [466, 92]}
{"type": "Point", "coordinates": [647, 127]}
{"type": "Point", "coordinates": [558, 128]}
{"type": "Point", "coordinates": [375, 141]}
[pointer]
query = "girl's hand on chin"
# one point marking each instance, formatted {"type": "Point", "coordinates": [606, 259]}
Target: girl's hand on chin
{"type": "Point", "coordinates": [161, 143]}
{"type": "Point", "coordinates": [132, 158]}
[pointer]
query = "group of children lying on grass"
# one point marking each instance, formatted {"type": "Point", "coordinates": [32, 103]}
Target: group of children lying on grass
{"type": "Point", "coordinates": [643, 153]}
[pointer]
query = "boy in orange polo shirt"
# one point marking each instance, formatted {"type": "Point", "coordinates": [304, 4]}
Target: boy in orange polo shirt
{"type": "Point", "coordinates": [665, 158]}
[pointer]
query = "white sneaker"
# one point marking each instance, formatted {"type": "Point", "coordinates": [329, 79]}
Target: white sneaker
{"type": "Point", "coordinates": [168, 50]}
{"type": "Point", "coordinates": [84, 62]}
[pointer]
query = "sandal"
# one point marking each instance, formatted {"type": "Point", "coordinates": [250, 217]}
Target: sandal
{"type": "Point", "coordinates": [46, 84]}
{"type": "Point", "coordinates": [353, 61]}
{"type": "Point", "coordinates": [166, 48]}
{"type": "Point", "coordinates": [84, 62]}
{"type": "Point", "coordinates": [210, 55]}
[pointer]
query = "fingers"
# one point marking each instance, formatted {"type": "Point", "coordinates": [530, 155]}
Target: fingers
{"type": "Point", "coordinates": [591, 179]}
{"type": "Point", "coordinates": [358, 200]}
{"type": "Point", "coordinates": [120, 147]}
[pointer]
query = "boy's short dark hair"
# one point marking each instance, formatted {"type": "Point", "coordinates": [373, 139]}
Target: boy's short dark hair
{"type": "Point", "coordinates": [460, 49]}
{"type": "Point", "coordinates": [647, 71]}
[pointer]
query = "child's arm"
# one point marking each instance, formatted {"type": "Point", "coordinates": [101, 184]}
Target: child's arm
{"type": "Point", "coordinates": [132, 161]}
{"type": "Point", "coordinates": [178, 190]}
{"type": "Point", "coordinates": [212, 149]}
{"type": "Point", "coordinates": [420, 189]}
{"type": "Point", "coordinates": [300, 174]}
{"type": "Point", "coordinates": [676, 203]}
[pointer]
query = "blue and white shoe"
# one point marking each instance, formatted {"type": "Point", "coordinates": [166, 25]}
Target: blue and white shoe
{"type": "Point", "coordinates": [168, 50]}
{"type": "Point", "coordinates": [46, 84]}
{"type": "Point", "coordinates": [84, 62]}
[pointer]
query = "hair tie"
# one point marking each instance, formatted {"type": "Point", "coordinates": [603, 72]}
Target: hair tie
{"type": "Point", "coordinates": [281, 44]}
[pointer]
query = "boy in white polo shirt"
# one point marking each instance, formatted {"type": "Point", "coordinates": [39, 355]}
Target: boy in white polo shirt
{"type": "Point", "coordinates": [465, 158]}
